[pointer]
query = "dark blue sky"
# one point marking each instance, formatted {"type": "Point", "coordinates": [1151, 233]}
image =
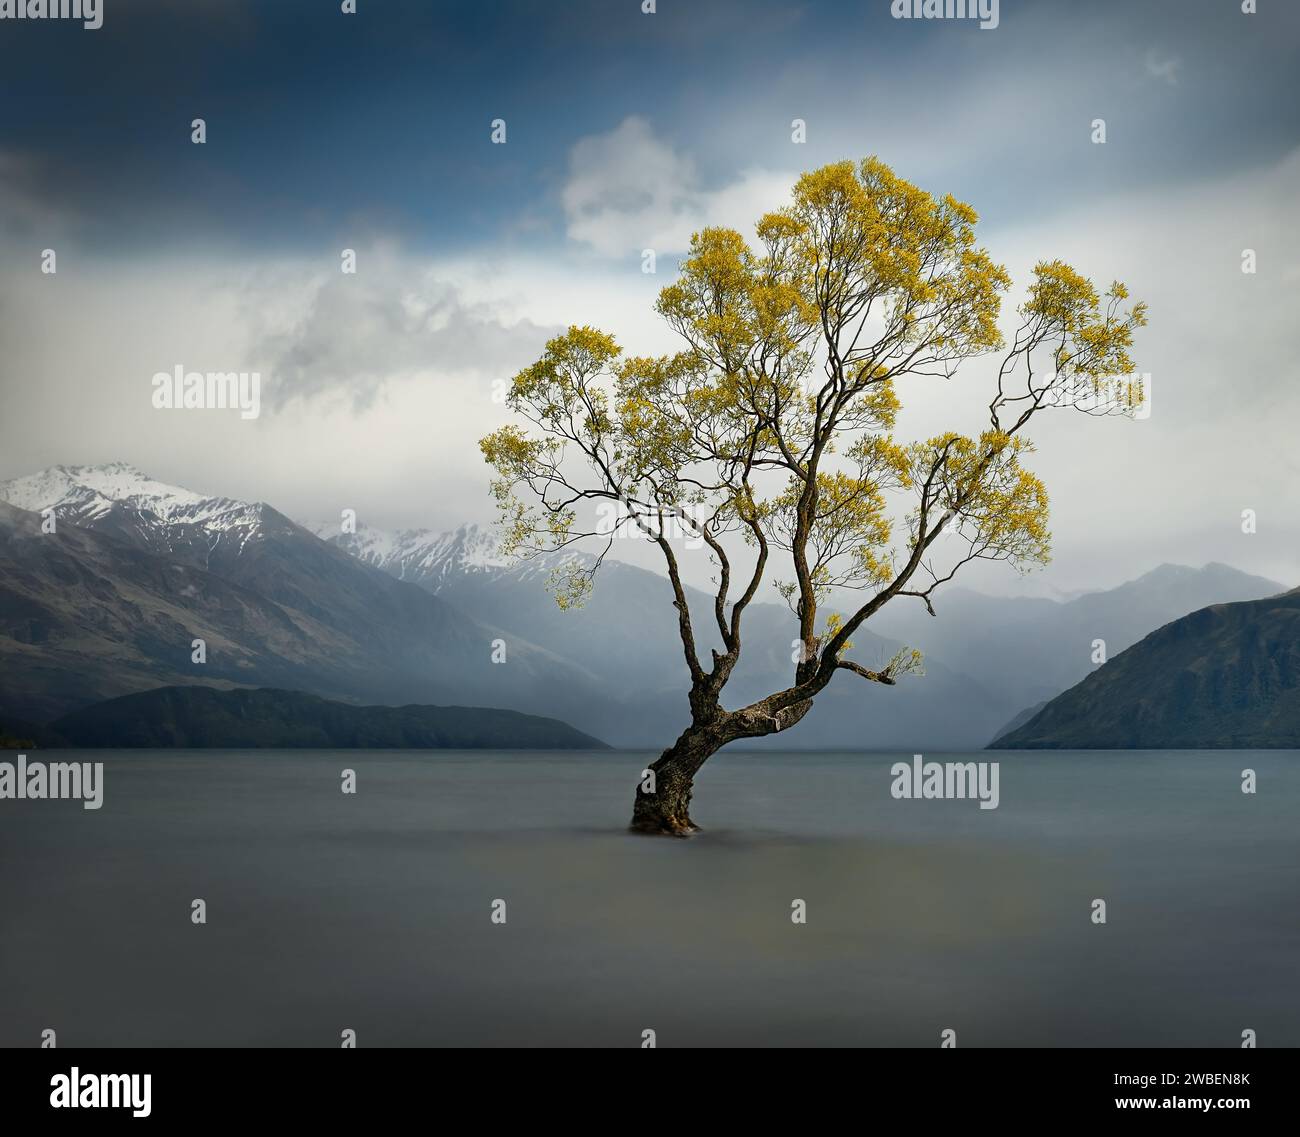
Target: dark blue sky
{"type": "Point", "coordinates": [323, 124]}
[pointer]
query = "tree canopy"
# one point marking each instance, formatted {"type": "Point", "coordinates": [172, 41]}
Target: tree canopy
{"type": "Point", "coordinates": [769, 436]}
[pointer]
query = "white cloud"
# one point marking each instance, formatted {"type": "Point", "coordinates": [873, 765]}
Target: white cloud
{"type": "Point", "coordinates": [395, 317]}
{"type": "Point", "coordinates": [1165, 68]}
{"type": "Point", "coordinates": [629, 190]}
{"type": "Point", "coordinates": [1220, 439]}
{"type": "Point", "coordinates": [396, 366]}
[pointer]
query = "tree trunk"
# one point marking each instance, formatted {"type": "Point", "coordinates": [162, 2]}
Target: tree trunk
{"type": "Point", "coordinates": [666, 810]}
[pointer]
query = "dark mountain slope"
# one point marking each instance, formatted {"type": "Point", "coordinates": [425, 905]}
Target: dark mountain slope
{"type": "Point", "coordinates": [626, 633]}
{"type": "Point", "coordinates": [1030, 650]}
{"type": "Point", "coordinates": [1227, 676]}
{"type": "Point", "coordinates": [85, 615]}
{"type": "Point", "coordinates": [191, 717]}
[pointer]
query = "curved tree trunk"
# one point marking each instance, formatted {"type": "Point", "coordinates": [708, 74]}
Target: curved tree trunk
{"type": "Point", "coordinates": [666, 810]}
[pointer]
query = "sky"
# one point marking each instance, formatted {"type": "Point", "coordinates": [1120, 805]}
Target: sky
{"type": "Point", "coordinates": [627, 130]}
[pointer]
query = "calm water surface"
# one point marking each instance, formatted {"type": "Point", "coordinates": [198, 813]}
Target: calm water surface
{"type": "Point", "coordinates": [372, 912]}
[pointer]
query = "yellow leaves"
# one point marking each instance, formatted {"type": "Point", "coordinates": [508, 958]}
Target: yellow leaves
{"type": "Point", "coordinates": [877, 403]}
{"type": "Point", "coordinates": [731, 305]}
{"type": "Point", "coordinates": [834, 622]}
{"type": "Point", "coordinates": [1061, 295]}
{"type": "Point", "coordinates": [1131, 393]}
{"type": "Point", "coordinates": [959, 209]}
{"type": "Point", "coordinates": [781, 314]}
{"type": "Point", "coordinates": [846, 522]}
{"type": "Point", "coordinates": [882, 460]}
{"type": "Point", "coordinates": [853, 235]}
{"type": "Point", "coordinates": [788, 369]}
{"type": "Point", "coordinates": [561, 389]}
{"type": "Point", "coordinates": [657, 402]}
{"type": "Point", "coordinates": [833, 190]}
{"type": "Point", "coordinates": [905, 661]}
{"type": "Point", "coordinates": [1066, 302]}
{"type": "Point", "coordinates": [510, 450]}
{"type": "Point", "coordinates": [583, 349]}
{"type": "Point", "coordinates": [569, 360]}
{"type": "Point", "coordinates": [870, 567]}
{"type": "Point", "coordinates": [1092, 335]}
{"type": "Point", "coordinates": [983, 492]}
{"type": "Point", "coordinates": [869, 234]}
{"type": "Point", "coordinates": [570, 584]}
{"type": "Point", "coordinates": [716, 276]}
{"type": "Point", "coordinates": [852, 506]}
{"type": "Point", "coordinates": [973, 295]}
{"type": "Point", "coordinates": [778, 227]}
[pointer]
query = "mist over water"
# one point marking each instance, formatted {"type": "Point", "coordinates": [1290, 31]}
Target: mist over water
{"type": "Point", "coordinates": [372, 911]}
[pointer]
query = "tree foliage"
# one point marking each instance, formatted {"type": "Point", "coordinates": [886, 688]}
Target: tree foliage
{"type": "Point", "coordinates": [769, 436]}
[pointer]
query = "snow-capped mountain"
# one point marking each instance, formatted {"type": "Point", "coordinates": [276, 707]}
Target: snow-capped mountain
{"type": "Point", "coordinates": [122, 500]}
{"type": "Point", "coordinates": [91, 491]}
{"type": "Point", "coordinates": [412, 616]}
{"type": "Point", "coordinates": [432, 559]}
{"type": "Point", "coordinates": [140, 569]}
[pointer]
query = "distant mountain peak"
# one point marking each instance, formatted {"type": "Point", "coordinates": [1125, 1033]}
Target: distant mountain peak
{"type": "Point", "coordinates": [1235, 583]}
{"type": "Point", "coordinates": [118, 497]}
{"type": "Point", "coordinates": [108, 483]}
{"type": "Point", "coordinates": [1170, 571]}
{"type": "Point", "coordinates": [1225, 676]}
{"type": "Point", "coordinates": [429, 557]}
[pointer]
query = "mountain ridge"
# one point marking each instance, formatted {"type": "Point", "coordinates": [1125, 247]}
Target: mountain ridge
{"type": "Point", "coordinates": [95, 610]}
{"type": "Point", "coordinates": [1226, 676]}
{"type": "Point", "coordinates": [410, 616]}
{"type": "Point", "coordinates": [203, 717]}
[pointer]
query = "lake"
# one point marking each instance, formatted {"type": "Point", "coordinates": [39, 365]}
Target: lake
{"type": "Point", "coordinates": [373, 912]}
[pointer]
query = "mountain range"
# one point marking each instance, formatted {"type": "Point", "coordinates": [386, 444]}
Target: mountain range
{"type": "Point", "coordinates": [111, 602]}
{"type": "Point", "coordinates": [203, 717]}
{"type": "Point", "coordinates": [136, 570]}
{"type": "Point", "coordinates": [627, 634]}
{"type": "Point", "coordinates": [1039, 648]}
{"type": "Point", "coordinates": [1226, 676]}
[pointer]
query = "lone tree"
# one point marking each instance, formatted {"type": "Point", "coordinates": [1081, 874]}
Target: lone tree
{"type": "Point", "coordinates": [768, 437]}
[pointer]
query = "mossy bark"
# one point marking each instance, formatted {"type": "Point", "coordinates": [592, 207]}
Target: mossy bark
{"type": "Point", "coordinates": [666, 810]}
